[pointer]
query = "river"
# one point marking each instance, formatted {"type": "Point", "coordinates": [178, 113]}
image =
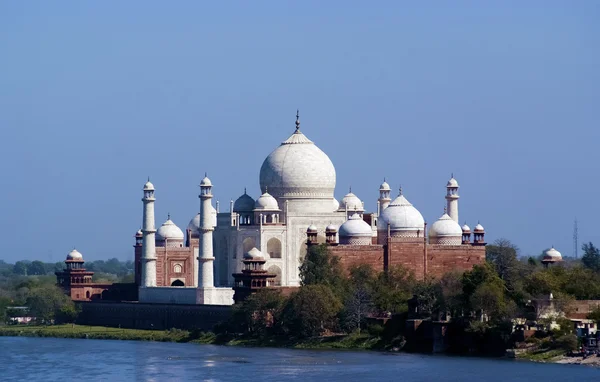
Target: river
{"type": "Point", "coordinates": [55, 359]}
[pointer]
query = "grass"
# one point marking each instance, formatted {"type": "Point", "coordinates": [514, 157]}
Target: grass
{"type": "Point", "coordinates": [544, 355]}
{"type": "Point", "coordinates": [352, 341]}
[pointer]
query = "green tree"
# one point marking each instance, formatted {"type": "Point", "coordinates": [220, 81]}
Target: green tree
{"type": "Point", "coordinates": [357, 308]}
{"type": "Point", "coordinates": [257, 315]}
{"type": "Point", "coordinates": [591, 257]}
{"type": "Point", "coordinates": [321, 268]}
{"type": "Point", "coordinates": [46, 303]}
{"type": "Point", "coordinates": [310, 311]}
{"type": "Point", "coordinates": [36, 268]}
{"type": "Point", "coordinates": [20, 268]}
{"type": "Point", "coordinates": [595, 315]}
{"type": "Point", "coordinates": [393, 289]}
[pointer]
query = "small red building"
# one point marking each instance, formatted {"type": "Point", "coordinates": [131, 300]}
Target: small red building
{"type": "Point", "coordinates": [76, 281]}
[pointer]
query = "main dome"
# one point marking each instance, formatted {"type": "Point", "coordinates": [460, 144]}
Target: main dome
{"type": "Point", "coordinates": [298, 168]}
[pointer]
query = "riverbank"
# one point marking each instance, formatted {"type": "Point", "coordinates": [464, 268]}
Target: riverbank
{"type": "Point", "coordinates": [558, 356]}
{"type": "Point", "coordinates": [353, 342]}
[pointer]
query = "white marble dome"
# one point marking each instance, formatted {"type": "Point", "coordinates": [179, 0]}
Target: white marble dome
{"type": "Point", "coordinates": [355, 226]}
{"type": "Point", "coordinates": [351, 202]}
{"type": "Point", "coordinates": [312, 228]}
{"type": "Point", "coordinates": [404, 219]}
{"type": "Point", "coordinates": [336, 204]}
{"type": "Point", "coordinates": [384, 186]}
{"type": "Point", "coordinates": [479, 228]}
{"type": "Point", "coordinates": [298, 169]}
{"type": "Point", "coordinates": [445, 231]}
{"type": "Point", "coordinates": [194, 224]}
{"type": "Point", "coordinates": [266, 202]}
{"type": "Point", "coordinates": [169, 231]}
{"type": "Point", "coordinates": [148, 186]}
{"type": "Point", "coordinates": [74, 255]}
{"type": "Point", "coordinates": [205, 182]}
{"type": "Point", "coordinates": [466, 228]}
{"type": "Point", "coordinates": [244, 203]}
{"type": "Point", "coordinates": [452, 183]}
{"type": "Point", "coordinates": [355, 231]}
{"type": "Point", "coordinates": [331, 228]}
{"type": "Point", "coordinates": [552, 255]}
{"type": "Point", "coordinates": [254, 254]}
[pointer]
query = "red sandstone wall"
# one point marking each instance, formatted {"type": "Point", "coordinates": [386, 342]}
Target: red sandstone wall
{"type": "Point", "coordinates": [445, 258]}
{"type": "Point", "coordinates": [167, 257]}
{"type": "Point", "coordinates": [354, 255]}
{"type": "Point", "coordinates": [409, 253]}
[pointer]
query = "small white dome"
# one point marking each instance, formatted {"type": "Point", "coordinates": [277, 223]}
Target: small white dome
{"type": "Point", "coordinates": [445, 227]}
{"type": "Point", "coordinates": [355, 227]}
{"type": "Point", "coordinates": [352, 202]}
{"type": "Point", "coordinates": [254, 254]}
{"type": "Point", "coordinates": [148, 186]}
{"type": "Point", "coordinates": [74, 255]}
{"type": "Point", "coordinates": [331, 228]}
{"type": "Point", "coordinates": [479, 228]}
{"type": "Point", "coordinates": [266, 202]}
{"type": "Point", "coordinates": [312, 228]}
{"type": "Point", "coordinates": [205, 182]}
{"type": "Point", "coordinates": [452, 183]}
{"type": "Point", "coordinates": [194, 224]}
{"type": "Point", "coordinates": [466, 228]}
{"type": "Point", "coordinates": [336, 204]}
{"type": "Point", "coordinates": [169, 231]}
{"type": "Point", "coordinates": [384, 186]}
{"type": "Point", "coordinates": [244, 203]}
{"type": "Point", "coordinates": [139, 233]}
{"type": "Point", "coordinates": [552, 255]}
{"type": "Point", "coordinates": [402, 218]}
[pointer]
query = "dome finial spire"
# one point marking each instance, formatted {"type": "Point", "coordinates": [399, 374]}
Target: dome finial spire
{"type": "Point", "coordinates": [350, 189]}
{"type": "Point", "coordinates": [400, 193]}
{"type": "Point", "coordinates": [451, 175]}
{"type": "Point", "coordinates": [266, 189]}
{"type": "Point", "coordinates": [297, 120]}
{"type": "Point", "coordinates": [245, 191]}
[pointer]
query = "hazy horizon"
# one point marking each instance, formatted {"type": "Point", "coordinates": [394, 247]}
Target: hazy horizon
{"type": "Point", "coordinates": [95, 97]}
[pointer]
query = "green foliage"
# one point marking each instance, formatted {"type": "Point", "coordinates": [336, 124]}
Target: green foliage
{"type": "Point", "coordinates": [310, 311]}
{"type": "Point", "coordinates": [258, 313]}
{"type": "Point", "coordinates": [392, 290]}
{"type": "Point", "coordinates": [591, 257]}
{"type": "Point", "coordinates": [567, 342]}
{"type": "Point", "coordinates": [20, 268]}
{"type": "Point", "coordinates": [321, 268]}
{"type": "Point", "coordinates": [595, 315]}
{"type": "Point", "coordinates": [48, 303]}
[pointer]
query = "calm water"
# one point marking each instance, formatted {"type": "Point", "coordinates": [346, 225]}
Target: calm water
{"type": "Point", "coordinates": [52, 359]}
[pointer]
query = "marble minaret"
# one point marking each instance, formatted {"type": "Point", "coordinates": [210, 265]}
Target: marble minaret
{"type": "Point", "coordinates": [148, 240]}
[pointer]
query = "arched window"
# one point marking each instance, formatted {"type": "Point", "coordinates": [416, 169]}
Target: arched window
{"type": "Point", "coordinates": [248, 244]}
{"type": "Point", "coordinates": [274, 248]}
{"type": "Point", "coordinates": [274, 269]}
{"type": "Point", "coordinates": [87, 294]}
{"type": "Point", "coordinates": [177, 268]}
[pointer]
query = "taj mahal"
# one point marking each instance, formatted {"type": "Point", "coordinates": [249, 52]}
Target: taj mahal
{"type": "Point", "coordinates": [296, 207]}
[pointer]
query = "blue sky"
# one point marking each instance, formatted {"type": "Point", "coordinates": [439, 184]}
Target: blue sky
{"type": "Point", "coordinates": [96, 96]}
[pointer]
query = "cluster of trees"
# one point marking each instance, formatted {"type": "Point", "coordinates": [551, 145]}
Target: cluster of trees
{"type": "Point", "coordinates": [483, 301]}
{"type": "Point", "coordinates": [32, 284]}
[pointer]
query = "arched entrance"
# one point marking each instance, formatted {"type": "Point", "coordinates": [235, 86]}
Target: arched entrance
{"type": "Point", "coordinates": [178, 283]}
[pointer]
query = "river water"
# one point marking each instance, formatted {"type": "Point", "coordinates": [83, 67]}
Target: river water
{"type": "Point", "coordinates": [55, 359]}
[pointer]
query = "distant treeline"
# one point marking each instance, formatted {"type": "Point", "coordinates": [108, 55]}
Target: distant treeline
{"type": "Point", "coordinates": [116, 268]}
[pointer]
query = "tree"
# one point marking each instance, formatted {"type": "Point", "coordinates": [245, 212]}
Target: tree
{"type": "Point", "coordinates": [20, 268]}
{"type": "Point", "coordinates": [36, 268]}
{"type": "Point", "coordinates": [257, 314]}
{"type": "Point", "coordinates": [46, 303]}
{"type": "Point", "coordinates": [311, 310]}
{"type": "Point", "coordinates": [357, 307]}
{"type": "Point", "coordinates": [591, 257]}
{"type": "Point", "coordinates": [489, 299]}
{"type": "Point", "coordinates": [321, 268]}
{"type": "Point", "coordinates": [452, 300]}
{"type": "Point", "coordinates": [503, 256]}
{"type": "Point", "coordinates": [427, 293]}
{"type": "Point", "coordinates": [392, 290]}
{"type": "Point", "coordinates": [595, 315]}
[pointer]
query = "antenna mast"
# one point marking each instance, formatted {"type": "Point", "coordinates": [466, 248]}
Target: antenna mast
{"type": "Point", "coordinates": [575, 240]}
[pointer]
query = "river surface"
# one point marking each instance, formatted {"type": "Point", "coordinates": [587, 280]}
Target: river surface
{"type": "Point", "coordinates": [55, 359]}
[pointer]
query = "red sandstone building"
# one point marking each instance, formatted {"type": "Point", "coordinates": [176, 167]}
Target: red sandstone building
{"type": "Point", "coordinates": [76, 281]}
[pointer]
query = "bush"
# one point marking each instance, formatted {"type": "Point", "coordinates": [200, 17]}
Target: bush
{"type": "Point", "coordinates": [567, 342]}
{"type": "Point", "coordinates": [375, 330]}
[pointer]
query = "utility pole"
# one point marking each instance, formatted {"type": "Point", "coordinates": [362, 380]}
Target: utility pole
{"type": "Point", "coordinates": [575, 240]}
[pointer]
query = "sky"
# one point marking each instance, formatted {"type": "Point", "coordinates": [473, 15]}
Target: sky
{"type": "Point", "coordinates": [97, 96]}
